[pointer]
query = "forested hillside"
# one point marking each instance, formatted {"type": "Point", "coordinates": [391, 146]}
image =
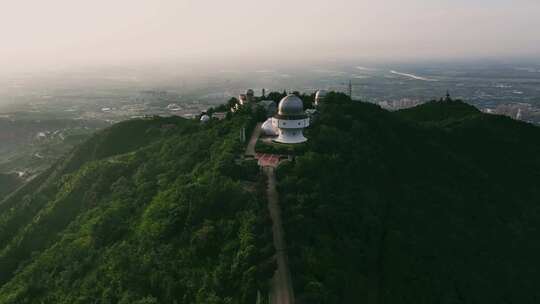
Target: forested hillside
{"type": "Point", "coordinates": [147, 211]}
{"type": "Point", "coordinates": [8, 183]}
{"type": "Point", "coordinates": [435, 204]}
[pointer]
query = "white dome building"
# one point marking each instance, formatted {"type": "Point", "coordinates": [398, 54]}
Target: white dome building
{"type": "Point", "coordinates": [205, 118]}
{"type": "Point", "coordinates": [290, 120]}
{"type": "Point", "coordinates": [247, 98]}
{"type": "Point", "coordinates": [320, 96]}
{"type": "Point", "coordinates": [268, 128]}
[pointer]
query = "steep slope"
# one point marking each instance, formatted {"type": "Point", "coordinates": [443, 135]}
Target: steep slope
{"type": "Point", "coordinates": [148, 211]}
{"type": "Point", "coordinates": [8, 183]}
{"type": "Point", "coordinates": [437, 204]}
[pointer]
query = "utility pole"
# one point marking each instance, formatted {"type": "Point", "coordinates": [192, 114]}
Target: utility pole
{"type": "Point", "coordinates": [350, 89]}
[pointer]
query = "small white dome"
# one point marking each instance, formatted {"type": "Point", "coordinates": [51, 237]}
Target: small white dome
{"type": "Point", "coordinates": [205, 118]}
{"type": "Point", "coordinates": [291, 105]}
{"type": "Point", "coordinates": [268, 128]}
{"type": "Point", "coordinates": [320, 96]}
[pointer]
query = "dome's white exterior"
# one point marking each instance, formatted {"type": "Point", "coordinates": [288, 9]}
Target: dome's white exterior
{"type": "Point", "coordinates": [290, 120]}
{"type": "Point", "coordinates": [320, 96]}
{"type": "Point", "coordinates": [291, 105]}
{"type": "Point", "coordinates": [268, 128]}
{"type": "Point", "coordinates": [205, 118]}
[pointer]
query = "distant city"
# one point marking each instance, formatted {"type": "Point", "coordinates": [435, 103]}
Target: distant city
{"type": "Point", "coordinates": [508, 89]}
{"type": "Point", "coordinates": [42, 117]}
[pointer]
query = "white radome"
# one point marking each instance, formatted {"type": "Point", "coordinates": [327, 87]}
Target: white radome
{"type": "Point", "coordinates": [268, 128]}
{"type": "Point", "coordinates": [205, 118]}
{"type": "Point", "coordinates": [320, 96]}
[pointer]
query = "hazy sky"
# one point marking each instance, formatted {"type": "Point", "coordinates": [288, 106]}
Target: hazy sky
{"type": "Point", "coordinates": [37, 33]}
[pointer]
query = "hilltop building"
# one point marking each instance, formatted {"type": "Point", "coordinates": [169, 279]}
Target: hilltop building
{"type": "Point", "coordinates": [247, 98]}
{"type": "Point", "coordinates": [243, 99]}
{"type": "Point", "coordinates": [290, 121]}
{"type": "Point", "coordinates": [250, 95]}
{"type": "Point", "coordinates": [320, 96]}
{"type": "Point", "coordinates": [205, 118]}
{"type": "Point", "coordinates": [268, 128]}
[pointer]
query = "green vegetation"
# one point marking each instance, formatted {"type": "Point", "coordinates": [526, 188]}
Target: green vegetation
{"type": "Point", "coordinates": [8, 183]}
{"type": "Point", "coordinates": [436, 204]}
{"type": "Point", "coordinates": [147, 211]}
{"type": "Point", "coordinates": [32, 145]}
{"type": "Point", "coordinates": [278, 148]}
{"type": "Point", "coordinates": [440, 111]}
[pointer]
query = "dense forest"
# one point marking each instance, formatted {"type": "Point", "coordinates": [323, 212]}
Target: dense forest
{"type": "Point", "coordinates": [434, 204]}
{"type": "Point", "coordinates": [8, 183]}
{"type": "Point", "coordinates": [147, 211]}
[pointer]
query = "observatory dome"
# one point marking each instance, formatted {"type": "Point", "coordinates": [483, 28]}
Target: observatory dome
{"type": "Point", "coordinates": [290, 120]}
{"type": "Point", "coordinates": [205, 118]}
{"type": "Point", "coordinates": [320, 96]}
{"type": "Point", "coordinates": [291, 105]}
{"type": "Point", "coordinates": [268, 128]}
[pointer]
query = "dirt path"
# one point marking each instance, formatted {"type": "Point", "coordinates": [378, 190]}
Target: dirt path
{"type": "Point", "coordinates": [250, 149]}
{"type": "Point", "coordinates": [281, 290]}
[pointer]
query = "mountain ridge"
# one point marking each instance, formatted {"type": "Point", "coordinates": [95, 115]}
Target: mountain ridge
{"type": "Point", "coordinates": [419, 205]}
{"type": "Point", "coordinates": [422, 211]}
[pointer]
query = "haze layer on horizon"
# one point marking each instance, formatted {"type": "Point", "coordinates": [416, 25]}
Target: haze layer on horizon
{"type": "Point", "coordinates": [62, 33]}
